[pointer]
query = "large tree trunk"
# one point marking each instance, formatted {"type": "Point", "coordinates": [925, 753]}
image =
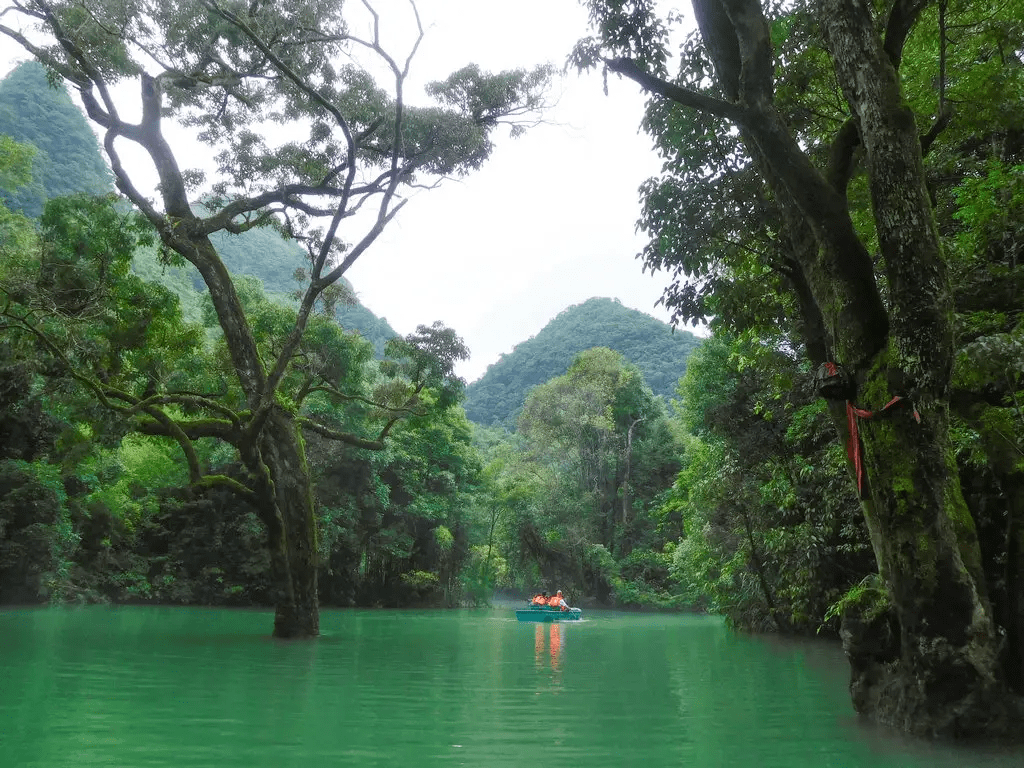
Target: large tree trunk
{"type": "Point", "coordinates": [292, 536]}
{"type": "Point", "coordinates": [945, 675]}
{"type": "Point", "coordinates": [275, 457]}
{"type": "Point", "coordinates": [942, 674]}
{"type": "Point", "coordinates": [948, 676]}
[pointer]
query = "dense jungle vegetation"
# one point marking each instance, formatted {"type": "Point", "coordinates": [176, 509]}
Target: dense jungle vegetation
{"type": "Point", "coordinates": [444, 514]}
{"type": "Point", "coordinates": [844, 455]}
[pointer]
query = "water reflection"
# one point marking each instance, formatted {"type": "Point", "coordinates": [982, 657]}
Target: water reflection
{"type": "Point", "coordinates": [193, 688]}
{"type": "Point", "coordinates": [555, 635]}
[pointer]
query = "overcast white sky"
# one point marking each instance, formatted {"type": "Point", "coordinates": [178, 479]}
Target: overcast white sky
{"type": "Point", "coordinates": [549, 221]}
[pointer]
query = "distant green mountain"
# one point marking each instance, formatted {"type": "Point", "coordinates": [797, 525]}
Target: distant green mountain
{"type": "Point", "coordinates": [68, 158]}
{"type": "Point", "coordinates": [649, 344]}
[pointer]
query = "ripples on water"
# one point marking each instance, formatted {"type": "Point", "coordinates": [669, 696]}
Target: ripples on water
{"type": "Point", "coordinates": [194, 687]}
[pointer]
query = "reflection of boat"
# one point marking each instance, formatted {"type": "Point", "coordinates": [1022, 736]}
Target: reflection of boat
{"type": "Point", "coordinates": [546, 613]}
{"type": "Point", "coordinates": [556, 632]}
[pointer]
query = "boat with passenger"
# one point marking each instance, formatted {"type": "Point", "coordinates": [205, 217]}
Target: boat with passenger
{"type": "Point", "coordinates": [544, 608]}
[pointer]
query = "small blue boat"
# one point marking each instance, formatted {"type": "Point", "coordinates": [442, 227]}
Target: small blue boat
{"type": "Point", "coordinates": [545, 613]}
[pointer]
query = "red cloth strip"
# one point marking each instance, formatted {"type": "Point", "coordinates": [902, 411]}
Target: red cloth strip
{"type": "Point", "coordinates": [853, 444]}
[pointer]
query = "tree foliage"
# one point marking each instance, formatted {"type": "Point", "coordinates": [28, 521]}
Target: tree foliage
{"type": "Point", "coordinates": [822, 181]}
{"type": "Point", "coordinates": [578, 494]}
{"type": "Point", "coordinates": [773, 534]}
{"type": "Point", "coordinates": [234, 72]}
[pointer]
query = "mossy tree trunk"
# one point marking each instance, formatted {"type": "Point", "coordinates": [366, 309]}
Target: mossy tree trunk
{"type": "Point", "coordinates": [947, 679]}
{"type": "Point", "coordinates": [946, 675]}
{"type": "Point", "coordinates": [292, 536]}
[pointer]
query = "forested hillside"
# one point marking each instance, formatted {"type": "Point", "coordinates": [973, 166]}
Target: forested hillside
{"type": "Point", "coordinates": [67, 157]}
{"type": "Point", "coordinates": [651, 345]}
{"type": "Point", "coordinates": [68, 160]}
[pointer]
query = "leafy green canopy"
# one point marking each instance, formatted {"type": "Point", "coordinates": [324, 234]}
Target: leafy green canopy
{"type": "Point", "coordinates": [233, 71]}
{"type": "Point", "coordinates": [773, 533]}
{"type": "Point", "coordinates": [75, 312]}
{"type": "Point", "coordinates": [70, 290]}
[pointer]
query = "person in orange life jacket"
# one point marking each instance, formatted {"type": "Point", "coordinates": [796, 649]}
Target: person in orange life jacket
{"type": "Point", "coordinates": [558, 602]}
{"type": "Point", "coordinates": [541, 599]}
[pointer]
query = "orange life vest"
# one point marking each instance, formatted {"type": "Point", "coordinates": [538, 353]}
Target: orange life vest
{"type": "Point", "coordinates": [539, 600]}
{"type": "Point", "coordinates": [555, 601]}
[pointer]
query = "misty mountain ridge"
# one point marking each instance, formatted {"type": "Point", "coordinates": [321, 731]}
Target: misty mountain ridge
{"type": "Point", "coordinates": [650, 344]}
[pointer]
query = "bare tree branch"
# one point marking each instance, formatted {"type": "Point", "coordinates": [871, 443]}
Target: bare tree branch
{"type": "Point", "coordinates": [684, 96]}
{"type": "Point", "coordinates": [346, 437]}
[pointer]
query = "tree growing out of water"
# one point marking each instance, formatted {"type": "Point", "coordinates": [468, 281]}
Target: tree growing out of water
{"type": "Point", "coordinates": [790, 122]}
{"type": "Point", "coordinates": [244, 75]}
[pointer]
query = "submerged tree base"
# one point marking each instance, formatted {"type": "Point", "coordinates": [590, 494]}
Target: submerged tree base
{"type": "Point", "coordinates": [291, 624]}
{"type": "Point", "coordinates": [944, 702]}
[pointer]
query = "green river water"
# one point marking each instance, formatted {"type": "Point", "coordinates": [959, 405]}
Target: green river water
{"type": "Point", "coordinates": [182, 687]}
